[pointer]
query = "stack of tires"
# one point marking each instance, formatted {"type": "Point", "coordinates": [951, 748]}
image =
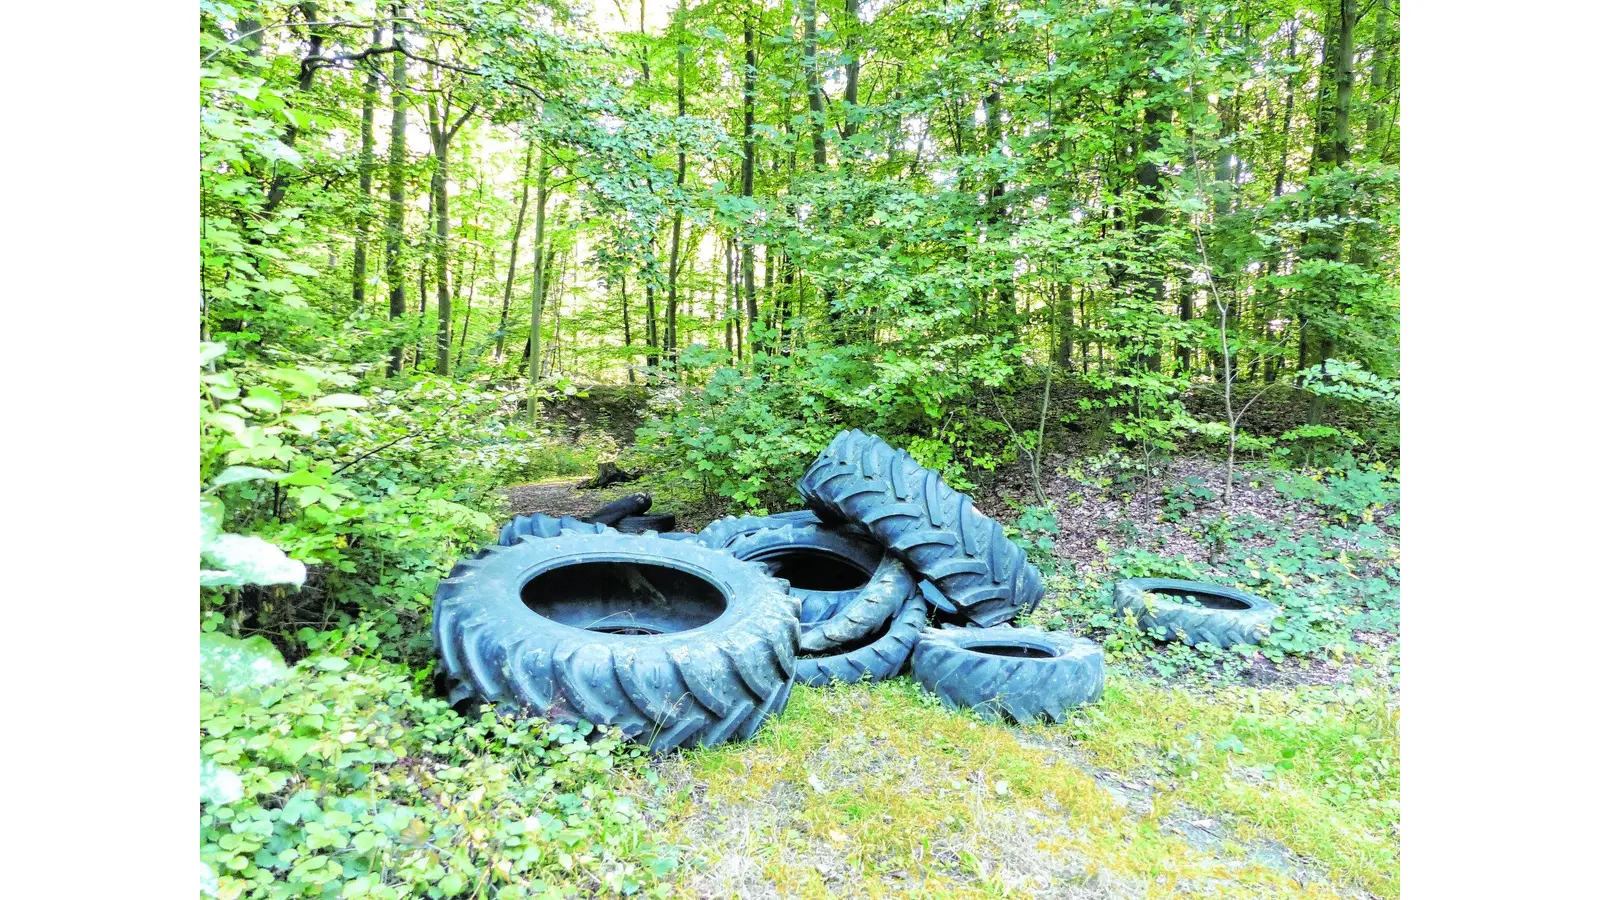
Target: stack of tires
{"type": "Point", "coordinates": [692, 640]}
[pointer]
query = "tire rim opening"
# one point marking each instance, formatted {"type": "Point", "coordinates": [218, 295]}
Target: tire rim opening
{"type": "Point", "coordinates": [1016, 651]}
{"type": "Point", "coordinates": [808, 569]}
{"type": "Point", "coordinates": [625, 599]}
{"type": "Point", "coordinates": [1209, 601]}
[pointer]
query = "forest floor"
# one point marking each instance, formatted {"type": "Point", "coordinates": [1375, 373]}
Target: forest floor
{"type": "Point", "coordinates": [1266, 780]}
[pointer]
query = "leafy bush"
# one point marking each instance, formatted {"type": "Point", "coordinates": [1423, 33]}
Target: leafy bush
{"type": "Point", "coordinates": [376, 493]}
{"type": "Point", "coordinates": [1348, 490]}
{"type": "Point", "coordinates": [341, 780]}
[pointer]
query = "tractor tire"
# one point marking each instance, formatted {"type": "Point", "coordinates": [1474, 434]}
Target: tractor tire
{"type": "Point", "coordinates": [1221, 616]}
{"type": "Point", "coordinates": [728, 529]}
{"type": "Point", "coordinates": [934, 528]}
{"type": "Point", "coordinates": [847, 586]}
{"type": "Point", "coordinates": [674, 644]}
{"type": "Point", "coordinates": [1010, 674]}
{"type": "Point", "coordinates": [543, 526]}
{"type": "Point", "coordinates": [620, 508]}
{"type": "Point", "coordinates": [658, 522]}
{"type": "Point", "coordinates": [878, 657]}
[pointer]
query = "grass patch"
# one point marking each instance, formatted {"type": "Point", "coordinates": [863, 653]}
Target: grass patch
{"type": "Point", "coordinates": [1316, 769]}
{"type": "Point", "coordinates": [879, 791]}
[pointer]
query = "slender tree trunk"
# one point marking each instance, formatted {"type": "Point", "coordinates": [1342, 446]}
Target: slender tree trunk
{"type": "Point", "coordinates": [511, 270]}
{"type": "Point", "coordinates": [627, 330]}
{"type": "Point", "coordinates": [369, 103]}
{"type": "Point", "coordinates": [441, 237]}
{"type": "Point", "coordinates": [538, 284]}
{"type": "Point", "coordinates": [1064, 326]}
{"type": "Point", "coordinates": [652, 334]}
{"type": "Point", "coordinates": [472, 293]}
{"type": "Point", "coordinates": [279, 187]}
{"type": "Point", "coordinates": [1345, 85]}
{"type": "Point", "coordinates": [730, 302]}
{"type": "Point", "coordinates": [1377, 85]}
{"type": "Point", "coordinates": [819, 146]}
{"type": "Point", "coordinates": [422, 282]}
{"type": "Point", "coordinates": [1332, 152]}
{"type": "Point", "coordinates": [1288, 114]}
{"type": "Point", "coordinates": [747, 170]}
{"type": "Point", "coordinates": [852, 68]}
{"type": "Point", "coordinates": [677, 224]}
{"type": "Point", "coordinates": [395, 222]}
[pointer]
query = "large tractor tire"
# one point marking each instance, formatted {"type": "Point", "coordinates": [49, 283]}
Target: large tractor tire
{"type": "Point", "coordinates": [1195, 612]}
{"type": "Point", "coordinates": [728, 529]}
{"type": "Point", "coordinates": [847, 586]}
{"type": "Point", "coordinates": [542, 526]}
{"type": "Point", "coordinates": [675, 644]}
{"type": "Point", "coordinates": [1010, 674]}
{"type": "Point", "coordinates": [910, 510]}
{"type": "Point", "coordinates": [877, 657]}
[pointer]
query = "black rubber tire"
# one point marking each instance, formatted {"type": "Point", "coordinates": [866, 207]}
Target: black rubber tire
{"type": "Point", "coordinates": [831, 617]}
{"type": "Point", "coordinates": [1249, 622]}
{"type": "Point", "coordinates": [543, 526]}
{"type": "Point", "coordinates": [659, 522]}
{"type": "Point", "coordinates": [881, 657]}
{"type": "Point", "coordinates": [925, 522]}
{"type": "Point", "coordinates": [611, 513]}
{"type": "Point", "coordinates": [702, 678]}
{"type": "Point", "coordinates": [1060, 672]}
{"type": "Point", "coordinates": [728, 529]}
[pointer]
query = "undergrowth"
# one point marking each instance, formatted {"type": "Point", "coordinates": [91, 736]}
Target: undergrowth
{"type": "Point", "coordinates": [345, 779]}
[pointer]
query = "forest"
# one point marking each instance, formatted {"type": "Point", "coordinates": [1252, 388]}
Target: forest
{"type": "Point", "coordinates": [1126, 271]}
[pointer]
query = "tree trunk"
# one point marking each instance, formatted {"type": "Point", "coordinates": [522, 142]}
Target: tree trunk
{"type": "Point", "coordinates": [441, 236]}
{"type": "Point", "coordinates": [538, 284]}
{"type": "Point", "coordinates": [1332, 151]}
{"type": "Point", "coordinates": [472, 293]}
{"type": "Point", "coordinates": [1377, 85]}
{"type": "Point", "coordinates": [511, 271]}
{"type": "Point", "coordinates": [671, 347]}
{"type": "Point", "coordinates": [395, 221]}
{"type": "Point", "coordinates": [747, 167]}
{"type": "Point", "coordinates": [1064, 326]}
{"type": "Point", "coordinates": [627, 330]}
{"type": "Point", "coordinates": [422, 281]}
{"type": "Point", "coordinates": [819, 146]}
{"type": "Point", "coordinates": [852, 68]}
{"type": "Point", "coordinates": [369, 103]}
{"type": "Point", "coordinates": [279, 187]}
{"type": "Point", "coordinates": [730, 313]}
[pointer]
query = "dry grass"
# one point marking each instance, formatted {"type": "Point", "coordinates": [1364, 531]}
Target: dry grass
{"type": "Point", "coordinates": [879, 792]}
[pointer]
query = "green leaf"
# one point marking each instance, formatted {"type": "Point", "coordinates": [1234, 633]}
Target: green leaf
{"type": "Point", "coordinates": [342, 401]}
{"type": "Point", "coordinates": [218, 785]}
{"type": "Point", "coordinates": [235, 474]}
{"type": "Point", "coordinates": [211, 510]}
{"type": "Point", "coordinates": [333, 664]}
{"type": "Point", "coordinates": [210, 350]}
{"type": "Point", "coordinates": [208, 875]}
{"type": "Point", "coordinates": [228, 663]}
{"type": "Point", "coordinates": [264, 399]}
{"type": "Point", "coordinates": [246, 559]}
{"type": "Point", "coordinates": [307, 425]}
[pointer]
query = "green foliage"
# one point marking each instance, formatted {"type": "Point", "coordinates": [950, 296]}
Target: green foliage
{"type": "Point", "coordinates": [376, 492]}
{"type": "Point", "coordinates": [744, 438]}
{"type": "Point", "coordinates": [341, 780]}
{"type": "Point", "coordinates": [1332, 581]}
{"type": "Point", "coordinates": [1035, 532]}
{"type": "Point", "coordinates": [1185, 497]}
{"type": "Point", "coordinates": [1348, 490]}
